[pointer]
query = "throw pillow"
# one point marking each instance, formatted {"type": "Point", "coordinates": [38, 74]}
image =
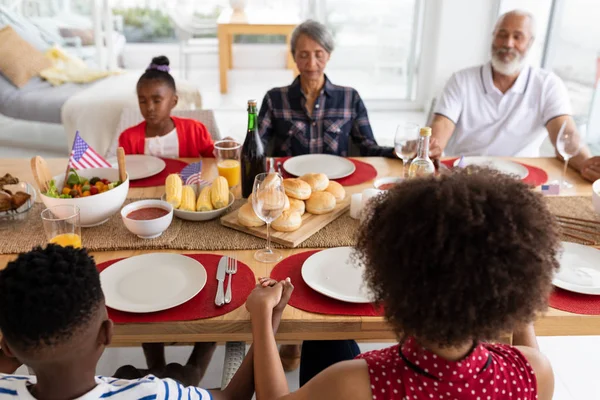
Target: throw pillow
{"type": "Point", "coordinates": [19, 61]}
{"type": "Point", "coordinates": [86, 35]}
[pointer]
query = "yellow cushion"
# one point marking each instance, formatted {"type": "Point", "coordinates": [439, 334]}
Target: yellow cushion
{"type": "Point", "coordinates": [19, 61]}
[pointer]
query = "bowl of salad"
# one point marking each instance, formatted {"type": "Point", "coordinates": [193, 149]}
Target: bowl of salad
{"type": "Point", "coordinates": [96, 191]}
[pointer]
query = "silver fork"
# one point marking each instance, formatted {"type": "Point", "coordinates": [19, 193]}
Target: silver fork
{"type": "Point", "coordinates": [231, 270]}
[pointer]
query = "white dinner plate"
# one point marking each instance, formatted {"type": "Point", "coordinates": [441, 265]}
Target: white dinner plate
{"type": "Point", "coordinates": [331, 272]}
{"type": "Point", "coordinates": [504, 166]}
{"type": "Point", "coordinates": [140, 166]}
{"type": "Point", "coordinates": [152, 282]}
{"type": "Point", "coordinates": [579, 269]}
{"type": "Point", "coordinates": [334, 167]}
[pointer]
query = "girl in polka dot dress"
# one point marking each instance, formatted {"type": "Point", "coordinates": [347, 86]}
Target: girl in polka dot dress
{"type": "Point", "coordinates": [458, 262]}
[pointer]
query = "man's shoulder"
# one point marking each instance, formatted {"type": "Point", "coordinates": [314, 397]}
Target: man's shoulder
{"type": "Point", "coordinates": [543, 76]}
{"type": "Point", "coordinates": [469, 73]}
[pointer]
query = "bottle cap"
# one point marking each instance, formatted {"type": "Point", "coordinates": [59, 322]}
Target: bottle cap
{"type": "Point", "coordinates": [425, 131]}
{"type": "Point", "coordinates": [252, 102]}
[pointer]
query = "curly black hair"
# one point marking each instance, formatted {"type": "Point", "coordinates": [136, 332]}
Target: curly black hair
{"type": "Point", "coordinates": [154, 72]}
{"type": "Point", "coordinates": [467, 256]}
{"type": "Point", "coordinates": [47, 294]}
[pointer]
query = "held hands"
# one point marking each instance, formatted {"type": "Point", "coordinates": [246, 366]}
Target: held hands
{"type": "Point", "coordinates": [590, 169]}
{"type": "Point", "coordinates": [269, 295]}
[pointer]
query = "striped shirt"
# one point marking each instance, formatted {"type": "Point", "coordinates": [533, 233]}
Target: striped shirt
{"type": "Point", "coordinates": [147, 388]}
{"type": "Point", "coordinates": [339, 115]}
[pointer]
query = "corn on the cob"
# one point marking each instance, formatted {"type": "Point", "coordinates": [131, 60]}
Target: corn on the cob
{"type": "Point", "coordinates": [204, 203]}
{"type": "Point", "coordinates": [174, 190]}
{"type": "Point", "coordinates": [219, 193]}
{"type": "Point", "coordinates": [188, 199]}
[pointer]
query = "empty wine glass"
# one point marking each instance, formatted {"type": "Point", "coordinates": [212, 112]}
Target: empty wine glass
{"type": "Point", "coordinates": [405, 143]}
{"type": "Point", "coordinates": [568, 145]}
{"type": "Point", "coordinates": [268, 201]}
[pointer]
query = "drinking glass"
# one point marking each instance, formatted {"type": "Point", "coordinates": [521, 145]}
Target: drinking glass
{"type": "Point", "coordinates": [405, 143]}
{"type": "Point", "coordinates": [268, 201]}
{"type": "Point", "coordinates": [228, 161]}
{"type": "Point", "coordinates": [61, 224]}
{"type": "Point", "coordinates": [568, 144]}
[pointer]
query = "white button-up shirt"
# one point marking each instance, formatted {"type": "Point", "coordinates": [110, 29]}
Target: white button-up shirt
{"type": "Point", "coordinates": [489, 122]}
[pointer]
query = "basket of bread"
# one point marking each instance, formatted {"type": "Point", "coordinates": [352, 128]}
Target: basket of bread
{"type": "Point", "coordinates": [313, 194]}
{"type": "Point", "coordinates": [198, 204]}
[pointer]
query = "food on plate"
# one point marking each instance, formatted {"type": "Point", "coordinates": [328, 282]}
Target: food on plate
{"type": "Point", "coordinates": [219, 192]}
{"type": "Point", "coordinates": [288, 221]}
{"type": "Point", "coordinates": [298, 206]}
{"type": "Point", "coordinates": [188, 199]}
{"type": "Point", "coordinates": [247, 216]}
{"type": "Point", "coordinates": [211, 197]}
{"type": "Point", "coordinates": [11, 201]}
{"type": "Point", "coordinates": [337, 191]}
{"type": "Point", "coordinates": [79, 186]}
{"type": "Point", "coordinates": [174, 190]}
{"type": "Point", "coordinates": [320, 203]}
{"type": "Point", "coordinates": [147, 213]}
{"type": "Point", "coordinates": [317, 182]}
{"type": "Point", "coordinates": [204, 203]}
{"type": "Point", "coordinates": [297, 189]}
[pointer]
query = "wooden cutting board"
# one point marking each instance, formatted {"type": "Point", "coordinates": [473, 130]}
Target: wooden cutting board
{"type": "Point", "coordinates": [311, 224]}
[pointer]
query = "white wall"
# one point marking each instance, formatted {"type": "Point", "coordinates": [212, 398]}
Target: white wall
{"type": "Point", "coordinates": [456, 34]}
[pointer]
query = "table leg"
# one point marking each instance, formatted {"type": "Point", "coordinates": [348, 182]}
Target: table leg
{"type": "Point", "coordinates": [223, 58]}
{"type": "Point", "coordinates": [291, 64]}
{"type": "Point", "coordinates": [230, 50]}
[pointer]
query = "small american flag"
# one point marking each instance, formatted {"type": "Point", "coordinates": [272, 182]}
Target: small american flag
{"type": "Point", "coordinates": [551, 189]}
{"type": "Point", "coordinates": [192, 174]}
{"type": "Point", "coordinates": [83, 156]}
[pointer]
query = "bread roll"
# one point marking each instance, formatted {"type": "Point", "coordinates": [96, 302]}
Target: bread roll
{"type": "Point", "coordinates": [285, 207]}
{"type": "Point", "coordinates": [273, 199]}
{"type": "Point", "coordinates": [288, 221]}
{"type": "Point", "coordinates": [297, 189]}
{"type": "Point", "coordinates": [337, 191]}
{"type": "Point", "coordinates": [271, 180]}
{"type": "Point", "coordinates": [317, 182]}
{"type": "Point", "coordinates": [320, 203]}
{"type": "Point", "coordinates": [297, 205]}
{"type": "Point", "coordinates": [247, 216]}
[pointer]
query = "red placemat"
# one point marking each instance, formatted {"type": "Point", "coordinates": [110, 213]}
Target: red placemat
{"type": "Point", "coordinates": [364, 173]}
{"type": "Point", "coordinates": [203, 304]}
{"type": "Point", "coordinates": [173, 167]}
{"type": "Point", "coordinates": [307, 299]}
{"type": "Point", "coordinates": [536, 176]}
{"type": "Point", "coordinates": [575, 302]}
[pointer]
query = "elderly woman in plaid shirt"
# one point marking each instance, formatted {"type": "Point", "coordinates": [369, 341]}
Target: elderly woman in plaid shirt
{"type": "Point", "coordinates": [313, 115]}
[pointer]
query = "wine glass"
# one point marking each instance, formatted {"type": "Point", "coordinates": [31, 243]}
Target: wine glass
{"type": "Point", "coordinates": [268, 201]}
{"type": "Point", "coordinates": [405, 143]}
{"type": "Point", "coordinates": [568, 145]}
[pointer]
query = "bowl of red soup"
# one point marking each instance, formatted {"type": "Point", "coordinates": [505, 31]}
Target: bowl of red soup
{"type": "Point", "coordinates": [387, 182]}
{"type": "Point", "coordinates": [147, 219]}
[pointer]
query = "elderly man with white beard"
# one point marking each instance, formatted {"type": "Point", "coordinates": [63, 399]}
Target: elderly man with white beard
{"type": "Point", "coordinates": [506, 107]}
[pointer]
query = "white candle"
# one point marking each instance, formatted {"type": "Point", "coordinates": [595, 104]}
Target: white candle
{"type": "Point", "coordinates": [355, 205]}
{"type": "Point", "coordinates": [367, 195]}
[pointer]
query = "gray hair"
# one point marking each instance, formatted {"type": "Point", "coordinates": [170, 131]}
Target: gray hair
{"type": "Point", "coordinates": [518, 13]}
{"type": "Point", "coordinates": [316, 31]}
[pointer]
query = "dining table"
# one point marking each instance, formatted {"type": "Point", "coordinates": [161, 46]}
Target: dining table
{"type": "Point", "coordinates": [296, 325]}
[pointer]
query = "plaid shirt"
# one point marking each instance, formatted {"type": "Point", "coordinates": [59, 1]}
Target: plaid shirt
{"type": "Point", "coordinates": [339, 115]}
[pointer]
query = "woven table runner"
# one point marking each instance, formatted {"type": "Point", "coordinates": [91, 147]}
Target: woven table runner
{"type": "Point", "coordinates": [22, 235]}
{"type": "Point", "coordinates": [576, 207]}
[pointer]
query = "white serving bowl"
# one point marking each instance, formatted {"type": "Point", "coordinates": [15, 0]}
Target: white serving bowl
{"type": "Point", "coordinates": [97, 209]}
{"type": "Point", "coordinates": [596, 195]}
{"type": "Point", "coordinates": [386, 179]}
{"type": "Point", "coordinates": [199, 216]}
{"type": "Point", "coordinates": [150, 228]}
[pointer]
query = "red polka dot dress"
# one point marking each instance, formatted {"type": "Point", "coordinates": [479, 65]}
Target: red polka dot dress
{"type": "Point", "coordinates": [489, 372]}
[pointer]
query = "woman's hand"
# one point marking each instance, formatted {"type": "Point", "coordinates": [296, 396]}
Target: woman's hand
{"type": "Point", "coordinates": [264, 298]}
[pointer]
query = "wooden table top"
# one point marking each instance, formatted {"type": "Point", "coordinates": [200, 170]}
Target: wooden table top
{"type": "Point", "coordinates": [296, 324]}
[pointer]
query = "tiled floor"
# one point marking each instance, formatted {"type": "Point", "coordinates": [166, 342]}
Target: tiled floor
{"type": "Point", "coordinates": [575, 359]}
